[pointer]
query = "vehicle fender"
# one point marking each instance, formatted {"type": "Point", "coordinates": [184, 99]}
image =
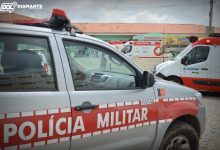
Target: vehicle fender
{"type": "Point", "coordinates": [173, 111]}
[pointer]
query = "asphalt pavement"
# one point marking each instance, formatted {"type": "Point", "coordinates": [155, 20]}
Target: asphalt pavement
{"type": "Point", "coordinates": [211, 137]}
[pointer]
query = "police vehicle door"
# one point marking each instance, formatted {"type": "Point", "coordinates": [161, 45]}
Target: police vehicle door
{"type": "Point", "coordinates": [34, 103]}
{"type": "Point", "coordinates": [109, 110]}
{"type": "Point", "coordinates": [196, 70]}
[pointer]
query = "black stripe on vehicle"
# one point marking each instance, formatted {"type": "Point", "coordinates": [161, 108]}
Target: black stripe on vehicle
{"type": "Point", "coordinates": [207, 83]}
{"type": "Point", "coordinates": [204, 69]}
{"type": "Point", "coordinates": [160, 75]}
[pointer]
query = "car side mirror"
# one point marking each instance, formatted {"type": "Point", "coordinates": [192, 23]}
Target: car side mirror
{"type": "Point", "coordinates": [127, 49]}
{"type": "Point", "coordinates": [148, 79]}
{"type": "Point", "coordinates": [130, 48]}
{"type": "Point", "coordinates": [184, 61]}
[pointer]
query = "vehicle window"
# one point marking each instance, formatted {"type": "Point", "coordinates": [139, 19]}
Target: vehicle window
{"type": "Point", "coordinates": [198, 54]}
{"type": "Point", "coordinates": [191, 55]}
{"type": "Point", "coordinates": [201, 54]}
{"type": "Point", "coordinates": [25, 64]}
{"type": "Point", "coordinates": [95, 68]}
{"type": "Point", "coordinates": [126, 49]}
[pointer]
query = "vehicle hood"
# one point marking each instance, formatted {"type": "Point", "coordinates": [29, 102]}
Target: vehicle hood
{"type": "Point", "coordinates": [173, 89]}
{"type": "Point", "coordinates": [165, 63]}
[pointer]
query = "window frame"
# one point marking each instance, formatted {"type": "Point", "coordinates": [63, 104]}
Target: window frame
{"type": "Point", "coordinates": [196, 47]}
{"type": "Point", "coordinates": [56, 87]}
{"type": "Point", "coordinates": [138, 80]}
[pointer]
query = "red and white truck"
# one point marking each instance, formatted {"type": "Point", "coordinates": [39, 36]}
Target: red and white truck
{"type": "Point", "coordinates": [143, 49]}
{"type": "Point", "coordinates": [197, 66]}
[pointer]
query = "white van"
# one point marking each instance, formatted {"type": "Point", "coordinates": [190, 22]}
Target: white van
{"type": "Point", "coordinates": [197, 66]}
{"type": "Point", "coordinates": [142, 49]}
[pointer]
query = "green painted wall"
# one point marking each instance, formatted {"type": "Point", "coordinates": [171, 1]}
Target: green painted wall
{"type": "Point", "coordinates": [126, 37]}
{"type": "Point", "coordinates": [113, 37]}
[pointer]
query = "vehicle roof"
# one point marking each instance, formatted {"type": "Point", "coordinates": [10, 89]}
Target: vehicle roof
{"type": "Point", "coordinates": [208, 41]}
{"type": "Point", "coordinates": [46, 30]}
{"type": "Point", "coordinates": [23, 27]}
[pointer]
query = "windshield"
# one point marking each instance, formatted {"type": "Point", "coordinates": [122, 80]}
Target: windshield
{"type": "Point", "coordinates": [183, 52]}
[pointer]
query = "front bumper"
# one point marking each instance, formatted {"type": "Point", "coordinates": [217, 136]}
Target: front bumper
{"type": "Point", "coordinates": [202, 118]}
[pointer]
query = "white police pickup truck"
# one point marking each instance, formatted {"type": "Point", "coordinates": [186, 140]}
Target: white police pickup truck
{"type": "Point", "coordinates": [62, 90]}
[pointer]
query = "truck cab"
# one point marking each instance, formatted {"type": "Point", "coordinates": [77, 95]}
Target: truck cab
{"type": "Point", "coordinates": [197, 66]}
{"type": "Point", "coordinates": [92, 97]}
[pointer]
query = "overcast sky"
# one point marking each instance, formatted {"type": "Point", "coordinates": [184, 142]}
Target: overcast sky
{"type": "Point", "coordinates": [128, 11]}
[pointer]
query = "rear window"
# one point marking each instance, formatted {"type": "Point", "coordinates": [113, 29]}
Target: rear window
{"type": "Point", "coordinates": [26, 64]}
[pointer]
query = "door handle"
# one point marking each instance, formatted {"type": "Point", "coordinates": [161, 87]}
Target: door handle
{"type": "Point", "coordinates": [85, 106]}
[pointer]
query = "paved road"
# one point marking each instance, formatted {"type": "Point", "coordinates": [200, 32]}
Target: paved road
{"type": "Point", "coordinates": [211, 138]}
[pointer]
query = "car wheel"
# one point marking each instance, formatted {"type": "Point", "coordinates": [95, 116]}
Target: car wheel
{"type": "Point", "coordinates": [174, 79]}
{"type": "Point", "coordinates": [180, 136]}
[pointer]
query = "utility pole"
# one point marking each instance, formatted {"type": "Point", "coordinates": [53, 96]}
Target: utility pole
{"type": "Point", "coordinates": [210, 17]}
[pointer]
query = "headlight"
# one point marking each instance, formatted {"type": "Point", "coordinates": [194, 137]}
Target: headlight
{"type": "Point", "coordinates": [198, 96]}
{"type": "Point", "coordinates": [160, 68]}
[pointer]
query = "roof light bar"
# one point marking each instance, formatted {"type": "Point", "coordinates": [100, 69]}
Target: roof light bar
{"type": "Point", "coordinates": [32, 22]}
{"type": "Point", "coordinates": [208, 41]}
{"type": "Point", "coordinates": [59, 12]}
{"type": "Point", "coordinates": [58, 21]}
{"type": "Point", "coordinates": [192, 39]}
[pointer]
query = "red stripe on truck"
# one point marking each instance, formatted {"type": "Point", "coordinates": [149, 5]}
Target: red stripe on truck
{"type": "Point", "coordinates": [139, 43]}
{"type": "Point", "coordinates": [194, 83]}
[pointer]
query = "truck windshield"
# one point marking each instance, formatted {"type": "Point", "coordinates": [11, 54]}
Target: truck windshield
{"type": "Point", "coordinates": [183, 52]}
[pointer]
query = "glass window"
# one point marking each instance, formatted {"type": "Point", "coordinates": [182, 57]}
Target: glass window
{"type": "Point", "coordinates": [25, 64]}
{"type": "Point", "coordinates": [201, 54]}
{"type": "Point", "coordinates": [190, 56]}
{"type": "Point", "coordinates": [197, 55]}
{"type": "Point", "coordinates": [95, 68]}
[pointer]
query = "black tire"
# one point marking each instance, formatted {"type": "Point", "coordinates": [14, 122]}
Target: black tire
{"type": "Point", "coordinates": [180, 135]}
{"type": "Point", "coordinates": [174, 79]}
